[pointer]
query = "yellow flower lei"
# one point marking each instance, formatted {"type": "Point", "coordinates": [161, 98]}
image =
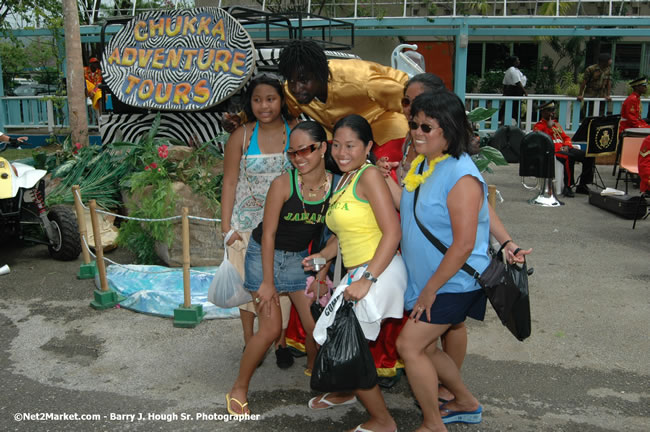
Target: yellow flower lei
{"type": "Point", "coordinates": [413, 180]}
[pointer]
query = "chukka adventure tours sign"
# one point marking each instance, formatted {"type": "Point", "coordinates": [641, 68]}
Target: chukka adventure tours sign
{"type": "Point", "coordinates": [178, 60]}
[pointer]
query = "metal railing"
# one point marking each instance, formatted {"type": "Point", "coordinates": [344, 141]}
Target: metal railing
{"type": "Point", "coordinates": [569, 110]}
{"type": "Point", "coordinates": [39, 112]}
{"type": "Point", "coordinates": [407, 8]}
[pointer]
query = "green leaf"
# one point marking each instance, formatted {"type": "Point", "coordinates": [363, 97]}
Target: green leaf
{"type": "Point", "coordinates": [63, 169]}
{"type": "Point", "coordinates": [493, 155]}
{"type": "Point", "coordinates": [480, 114]}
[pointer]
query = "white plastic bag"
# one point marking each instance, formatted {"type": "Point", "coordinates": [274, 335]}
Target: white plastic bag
{"type": "Point", "coordinates": [227, 287]}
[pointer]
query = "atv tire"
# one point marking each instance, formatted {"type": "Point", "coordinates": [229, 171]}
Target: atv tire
{"type": "Point", "coordinates": [67, 244]}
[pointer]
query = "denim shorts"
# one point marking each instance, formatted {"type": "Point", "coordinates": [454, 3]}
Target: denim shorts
{"type": "Point", "coordinates": [288, 274]}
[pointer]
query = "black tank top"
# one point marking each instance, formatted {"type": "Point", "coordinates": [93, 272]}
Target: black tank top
{"type": "Point", "coordinates": [298, 225]}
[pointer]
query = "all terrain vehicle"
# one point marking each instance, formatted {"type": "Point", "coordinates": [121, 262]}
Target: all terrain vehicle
{"type": "Point", "coordinates": [24, 216]}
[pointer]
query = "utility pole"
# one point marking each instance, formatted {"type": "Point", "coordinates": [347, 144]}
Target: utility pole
{"type": "Point", "coordinates": [75, 83]}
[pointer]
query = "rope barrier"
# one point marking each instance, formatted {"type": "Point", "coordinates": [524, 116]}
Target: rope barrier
{"type": "Point", "coordinates": [144, 219]}
{"type": "Point", "coordinates": [125, 266]}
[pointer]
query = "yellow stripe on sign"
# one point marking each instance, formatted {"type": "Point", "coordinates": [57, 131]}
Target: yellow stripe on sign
{"type": "Point", "coordinates": [5, 179]}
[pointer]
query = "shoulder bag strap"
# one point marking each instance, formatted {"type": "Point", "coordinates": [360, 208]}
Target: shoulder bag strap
{"type": "Point", "coordinates": [433, 239]}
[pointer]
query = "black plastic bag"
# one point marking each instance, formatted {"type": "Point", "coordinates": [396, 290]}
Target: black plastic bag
{"type": "Point", "coordinates": [344, 362]}
{"type": "Point", "coordinates": [506, 286]}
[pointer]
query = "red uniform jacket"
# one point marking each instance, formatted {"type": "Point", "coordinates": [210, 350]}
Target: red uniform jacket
{"type": "Point", "coordinates": [631, 113]}
{"type": "Point", "coordinates": [557, 134]}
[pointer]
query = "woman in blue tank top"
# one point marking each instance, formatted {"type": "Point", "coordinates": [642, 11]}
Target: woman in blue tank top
{"type": "Point", "coordinates": [452, 205]}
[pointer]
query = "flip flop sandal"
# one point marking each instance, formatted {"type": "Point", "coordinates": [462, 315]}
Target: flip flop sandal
{"type": "Point", "coordinates": [329, 404]}
{"type": "Point", "coordinates": [462, 416]}
{"type": "Point", "coordinates": [362, 429]}
{"type": "Point", "coordinates": [241, 405]}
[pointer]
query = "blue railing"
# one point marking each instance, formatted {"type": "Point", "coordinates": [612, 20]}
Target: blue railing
{"type": "Point", "coordinates": [41, 112]}
{"type": "Point", "coordinates": [567, 109]}
{"type": "Point", "coordinates": [38, 112]}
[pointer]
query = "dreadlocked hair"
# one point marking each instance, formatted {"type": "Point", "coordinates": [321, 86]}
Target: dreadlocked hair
{"type": "Point", "coordinates": [303, 59]}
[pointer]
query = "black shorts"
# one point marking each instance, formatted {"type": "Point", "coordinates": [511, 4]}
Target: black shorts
{"type": "Point", "coordinates": [453, 308]}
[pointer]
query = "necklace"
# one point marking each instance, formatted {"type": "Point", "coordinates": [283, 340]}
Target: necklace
{"type": "Point", "coordinates": [412, 180]}
{"type": "Point", "coordinates": [342, 184]}
{"type": "Point", "coordinates": [301, 185]}
{"type": "Point", "coordinates": [314, 192]}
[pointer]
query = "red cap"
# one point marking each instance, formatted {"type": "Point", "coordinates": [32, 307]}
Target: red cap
{"type": "Point", "coordinates": [93, 60]}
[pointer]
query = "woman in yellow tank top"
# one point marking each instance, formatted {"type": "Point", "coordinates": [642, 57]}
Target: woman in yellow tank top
{"type": "Point", "coordinates": [366, 225]}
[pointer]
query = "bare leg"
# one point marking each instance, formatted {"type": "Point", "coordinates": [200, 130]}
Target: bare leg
{"type": "Point", "coordinates": [302, 304]}
{"type": "Point", "coordinates": [454, 343]}
{"type": "Point", "coordinates": [247, 323]}
{"type": "Point", "coordinates": [380, 419]}
{"type": "Point", "coordinates": [413, 343]}
{"type": "Point", "coordinates": [269, 330]}
{"type": "Point", "coordinates": [281, 341]}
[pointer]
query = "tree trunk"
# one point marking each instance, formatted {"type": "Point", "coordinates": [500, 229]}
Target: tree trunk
{"type": "Point", "coordinates": [76, 83]}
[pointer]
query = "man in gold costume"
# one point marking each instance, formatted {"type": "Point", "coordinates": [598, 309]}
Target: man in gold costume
{"type": "Point", "coordinates": [329, 90]}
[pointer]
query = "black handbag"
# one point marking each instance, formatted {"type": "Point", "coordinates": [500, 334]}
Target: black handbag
{"type": "Point", "coordinates": [505, 285]}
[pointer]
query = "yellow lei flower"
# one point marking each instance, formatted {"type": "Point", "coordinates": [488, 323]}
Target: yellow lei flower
{"type": "Point", "coordinates": [413, 180]}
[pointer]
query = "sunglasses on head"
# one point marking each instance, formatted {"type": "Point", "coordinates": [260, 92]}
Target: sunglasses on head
{"type": "Point", "coordinates": [406, 102]}
{"type": "Point", "coordinates": [425, 127]}
{"type": "Point", "coordinates": [303, 151]}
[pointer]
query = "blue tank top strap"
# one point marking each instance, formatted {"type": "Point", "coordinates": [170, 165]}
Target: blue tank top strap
{"type": "Point", "coordinates": [254, 147]}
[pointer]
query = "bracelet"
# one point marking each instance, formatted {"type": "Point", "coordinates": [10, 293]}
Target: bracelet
{"type": "Point", "coordinates": [322, 282]}
{"type": "Point", "coordinates": [505, 243]}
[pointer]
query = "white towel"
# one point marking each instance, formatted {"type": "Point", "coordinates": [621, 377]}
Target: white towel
{"type": "Point", "coordinates": [385, 299]}
{"type": "Point", "coordinates": [611, 191]}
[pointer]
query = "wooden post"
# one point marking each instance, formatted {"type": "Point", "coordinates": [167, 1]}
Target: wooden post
{"type": "Point", "coordinates": [186, 258]}
{"type": "Point", "coordinates": [81, 221]}
{"type": "Point", "coordinates": [492, 196]}
{"type": "Point", "coordinates": [99, 249]}
{"type": "Point", "coordinates": [187, 315]}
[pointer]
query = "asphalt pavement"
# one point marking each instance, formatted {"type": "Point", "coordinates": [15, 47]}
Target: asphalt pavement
{"type": "Point", "coordinates": [585, 367]}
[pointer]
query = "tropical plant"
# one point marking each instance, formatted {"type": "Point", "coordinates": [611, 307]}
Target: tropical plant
{"type": "Point", "coordinates": [487, 155]}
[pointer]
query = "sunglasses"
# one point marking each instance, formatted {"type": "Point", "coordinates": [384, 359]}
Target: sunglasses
{"type": "Point", "coordinates": [406, 102]}
{"type": "Point", "coordinates": [303, 151]}
{"type": "Point", "coordinates": [425, 127]}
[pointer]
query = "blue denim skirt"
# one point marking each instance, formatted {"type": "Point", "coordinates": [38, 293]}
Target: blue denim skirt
{"type": "Point", "coordinates": [288, 274]}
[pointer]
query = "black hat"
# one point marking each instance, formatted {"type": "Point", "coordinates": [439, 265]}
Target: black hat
{"type": "Point", "coordinates": [547, 106]}
{"type": "Point", "coordinates": [639, 82]}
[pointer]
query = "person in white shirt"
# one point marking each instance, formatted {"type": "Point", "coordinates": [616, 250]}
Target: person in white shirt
{"type": "Point", "coordinates": [514, 83]}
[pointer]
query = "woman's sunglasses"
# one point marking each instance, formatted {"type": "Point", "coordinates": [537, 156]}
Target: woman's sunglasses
{"type": "Point", "coordinates": [406, 102]}
{"type": "Point", "coordinates": [303, 151]}
{"type": "Point", "coordinates": [425, 127]}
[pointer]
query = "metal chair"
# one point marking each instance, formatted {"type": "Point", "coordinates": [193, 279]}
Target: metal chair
{"type": "Point", "coordinates": [537, 159]}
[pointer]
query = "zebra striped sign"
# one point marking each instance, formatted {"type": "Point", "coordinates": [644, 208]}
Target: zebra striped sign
{"type": "Point", "coordinates": [178, 60]}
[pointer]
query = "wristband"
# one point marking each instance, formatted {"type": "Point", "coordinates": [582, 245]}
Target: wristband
{"type": "Point", "coordinates": [505, 243]}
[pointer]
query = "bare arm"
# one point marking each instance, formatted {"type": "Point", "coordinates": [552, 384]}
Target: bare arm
{"type": "Point", "coordinates": [372, 188]}
{"type": "Point", "coordinates": [232, 157]}
{"type": "Point", "coordinates": [498, 230]}
{"type": "Point", "coordinates": [395, 191]}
